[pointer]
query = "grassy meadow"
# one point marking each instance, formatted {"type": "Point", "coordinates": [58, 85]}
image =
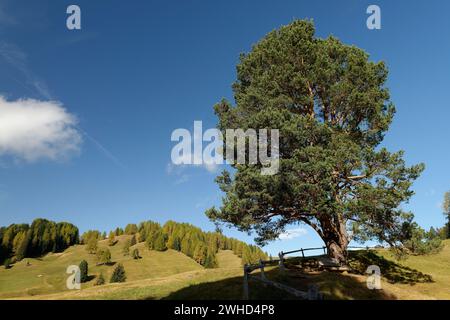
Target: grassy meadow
{"type": "Point", "coordinates": [172, 275]}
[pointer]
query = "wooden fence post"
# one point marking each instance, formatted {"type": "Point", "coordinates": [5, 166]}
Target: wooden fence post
{"type": "Point", "coordinates": [303, 253]}
{"type": "Point", "coordinates": [245, 282]}
{"type": "Point", "coordinates": [263, 275]}
{"type": "Point", "coordinates": [281, 262]}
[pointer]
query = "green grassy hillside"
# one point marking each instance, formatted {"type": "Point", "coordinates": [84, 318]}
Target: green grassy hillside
{"type": "Point", "coordinates": [227, 259]}
{"type": "Point", "coordinates": [171, 275]}
{"type": "Point", "coordinates": [48, 274]}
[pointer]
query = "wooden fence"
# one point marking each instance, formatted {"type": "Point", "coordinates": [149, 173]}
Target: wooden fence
{"type": "Point", "coordinates": [313, 291]}
{"type": "Point", "coordinates": [303, 250]}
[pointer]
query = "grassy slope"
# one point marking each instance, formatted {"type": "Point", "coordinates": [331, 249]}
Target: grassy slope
{"type": "Point", "coordinates": [437, 266]}
{"type": "Point", "coordinates": [227, 259]}
{"type": "Point", "coordinates": [47, 274]}
{"type": "Point", "coordinates": [407, 279]}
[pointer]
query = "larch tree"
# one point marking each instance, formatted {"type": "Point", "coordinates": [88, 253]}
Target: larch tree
{"type": "Point", "coordinates": [446, 208]}
{"type": "Point", "coordinates": [332, 109]}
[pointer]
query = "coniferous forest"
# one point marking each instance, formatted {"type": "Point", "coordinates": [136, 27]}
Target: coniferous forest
{"type": "Point", "coordinates": [19, 241]}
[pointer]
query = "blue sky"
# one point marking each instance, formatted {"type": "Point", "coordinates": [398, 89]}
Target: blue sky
{"type": "Point", "coordinates": [140, 69]}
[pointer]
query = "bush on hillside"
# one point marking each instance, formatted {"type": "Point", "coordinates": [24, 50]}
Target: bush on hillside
{"type": "Point", "coordinates": [421, 242]}
{"type": "Point", "coordinates": [7, 263]}
{"type": "Point", "coordinates": [126, 248]}
{"type": "Point", "coordinates": [133, 240]}
{"type": "Point", "coordinates": [83, 271]}
{"type": "Point", "coordinates": [92, 245]}
{"type": "Point", "coordinates": [103, 256]}
{"type": "Point", "coordinates": [135, 254]}
{"type": "Point", "coordinates": [111, 239]}
{"type": "Point", "coordinates": [118, 274]}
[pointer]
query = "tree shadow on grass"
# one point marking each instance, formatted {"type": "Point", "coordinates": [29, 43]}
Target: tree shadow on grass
{"type": "Point", "coordinates": [333, 286]}
{"type": "Point", "coordinates": [390, 270]}
{"type": "Point", "coordinates": [90, 277]}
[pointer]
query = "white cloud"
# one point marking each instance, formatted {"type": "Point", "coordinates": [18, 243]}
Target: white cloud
{"type": "Point", "coordinates": [292, 234]}
{"type": "Point", "coordinates": [32, 129]}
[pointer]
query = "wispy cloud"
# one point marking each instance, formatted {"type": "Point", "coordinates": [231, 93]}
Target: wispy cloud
{"type": "Point", "coordinates": [5, 18]}
{"type": "Point", "coordinates": [32, 129]}
{"type": "Point", "coordinates": [17, 58]}
{"type": "Point", "coordinates": [293, 233]}
{"type": "Point", "coordinates": [102, 148]}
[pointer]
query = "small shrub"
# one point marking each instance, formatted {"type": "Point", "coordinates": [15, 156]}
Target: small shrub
{"type": "Point", "coordinates": [118, 274]}
{"type": "Point", "coordinates": [92, 245]}
{"type": "Point", "coordinates": [83, 271]}
{"type": "Point", "coordinates": [7, 263]}
{"type": "Point", "coordinates": [126, 248]}
{"type": "Point", "coordinates": [135, 254]}
{"type": "Point", "coordinates": [133, 240]}
{"type": "Point", "coordinates": [103, 256]}
{"type": "Point", "coordinates": [111, 239]}
{"type": "Point", "coordinates": [421, 242]}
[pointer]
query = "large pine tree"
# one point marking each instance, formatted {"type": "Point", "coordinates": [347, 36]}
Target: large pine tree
{"type": "Point", "coordinates": [331, 106]}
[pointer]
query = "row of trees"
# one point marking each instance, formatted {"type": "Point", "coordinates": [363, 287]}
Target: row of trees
{"type": "Point", "coordinates": [18, 241]}
{"type": "Point", "coordinates": [22, 240]}
{"type": "Point", "coordinates": [195, 243]}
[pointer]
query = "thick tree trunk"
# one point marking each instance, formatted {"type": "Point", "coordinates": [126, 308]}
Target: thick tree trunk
{"type": "Point", "coordinates": [337, 250]}
{"type": "Point", "coordinates": [336, 239]}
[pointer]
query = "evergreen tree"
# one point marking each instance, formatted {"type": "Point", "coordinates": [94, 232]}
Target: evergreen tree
{"type": "Point", "coordinates": [210, 261]}
{"type": "Point", "coordinates": [111, 239]}
{"type": "Point", "coordinates": [133, 240]}
{"type": "Point", "coordinates": [43, 236]}
{"type": "Point", "coordinates": [126, 248]}
{"type": "Point", "coordinates": [160, 241]}
{"type": "Point", "coordinates": [83, 271]}
{"type": "Point", "coordinates": [176, 244]}
{"type": "Point", "coordinates": [247, 257]}
{"type": "Point", "coordinates": [421, 242]}
{"type": "Point", "coordinates": [186, 246]}
{"type": "Point", "coordinates": [200, 253]}
{"type": "Point", "coordinates": [90, 234]}
{"type": "Point", "coordinates": [131, 228]}
{"type": "Point", "coordinates": [332, 109]}
{"type": "Point", "coordinates": [118, 274]}
{"type": "Point", "coordinates": [92, 245]}
{"type": "Point", "coordinates": [103, 256]}
{"type": "Point", "coordinates": [23, 246]}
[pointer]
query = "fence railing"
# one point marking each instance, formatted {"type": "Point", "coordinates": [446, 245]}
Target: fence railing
{"type": "Point", "coordinates": [312, 293]}
{"type": "Point", "coordinates": [303, 250]}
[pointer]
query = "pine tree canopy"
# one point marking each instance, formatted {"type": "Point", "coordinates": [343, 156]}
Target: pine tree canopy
{"type": "Point", "coordinates": [332, 109]}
